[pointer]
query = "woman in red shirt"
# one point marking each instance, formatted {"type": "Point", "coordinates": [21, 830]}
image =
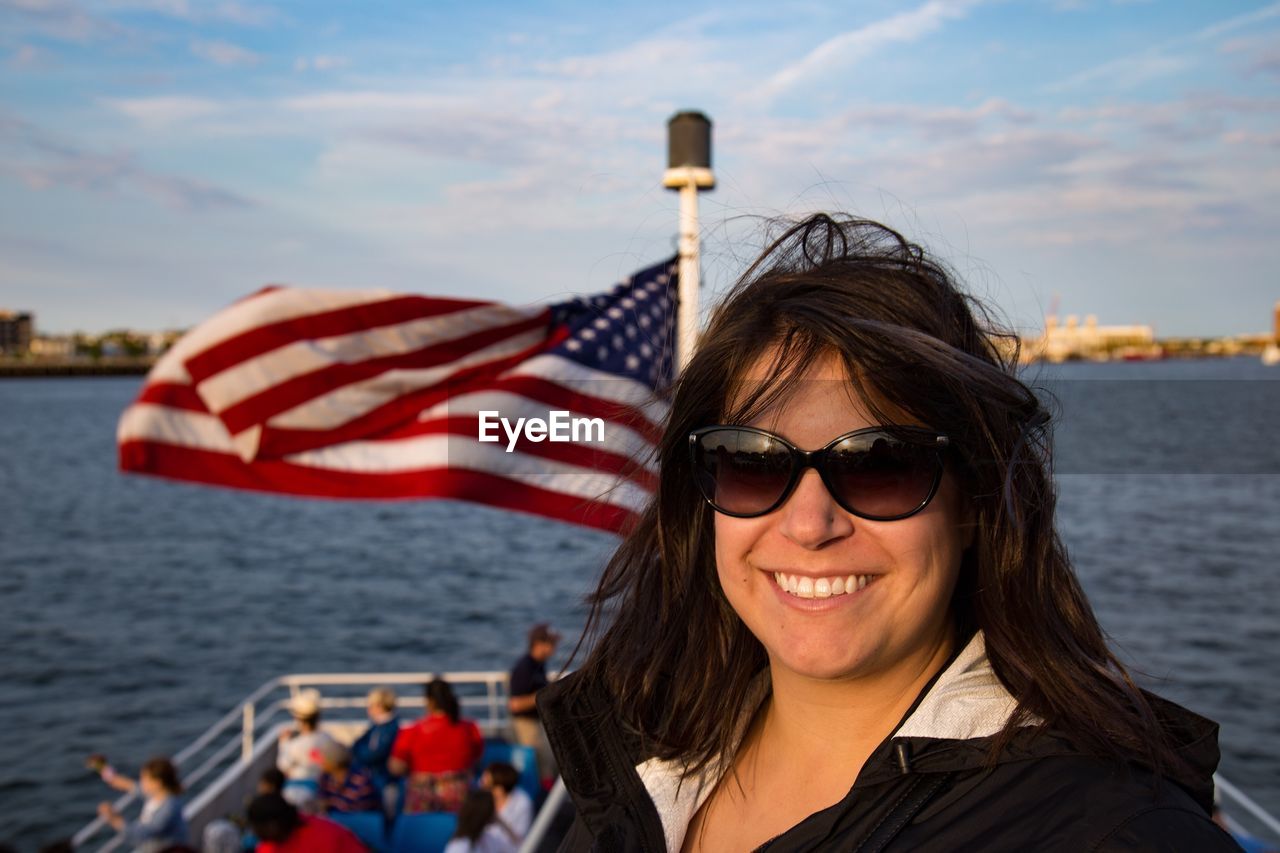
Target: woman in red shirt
{"type": "Point", "coordinates": [438, 754]}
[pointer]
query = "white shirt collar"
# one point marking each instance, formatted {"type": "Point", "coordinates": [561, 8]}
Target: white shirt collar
{"type": "Point", "coordinates": [967, 701]}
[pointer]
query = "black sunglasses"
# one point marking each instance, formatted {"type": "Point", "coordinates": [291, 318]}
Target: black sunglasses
{"type": "Point", "coordinates": [879, 473]}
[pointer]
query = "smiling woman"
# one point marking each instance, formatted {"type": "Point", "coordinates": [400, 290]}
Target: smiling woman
{"type": "Point", "coordinates": [847, 621]}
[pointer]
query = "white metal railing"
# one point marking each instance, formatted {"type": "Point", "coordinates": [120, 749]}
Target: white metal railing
{"type": "Point", "coordinates": [232, 742]}
{"type": "Point", "coordinates": [546, 816]}
{"type": "Point", "coordinates": [1238, 804]}
{"type": "Point", "coordinates": [232, 745]}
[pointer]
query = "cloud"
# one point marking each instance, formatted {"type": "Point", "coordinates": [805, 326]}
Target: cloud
{"type": "Point", "coordinates": [1245, 137]}
{"type": "Point", "coordinates": [934, 120]}
{"type": "Point", "coordinates": [1111, 174]}
{"type": "Point", "coordinates": [59, 19]}
{"type": "Point", "coordinates": [163, 110]}
{"type": "Point", "coordinates": [1193, 118]}
{"type": "Point", "coordinates": [224, 53]}
{"type": "Point", "coordinates": [1006, 158]}
{"type": "Point", "coordinates": [853, 46]}
{"type": "Point", "coordinates": [501, 132]}
{"type": "Point", "coordinates": [551, 145]}
{"type": "Point", "coordinates": [319, 63]}
{"type": "Point", "coordinates": [1113, 194]}
{"type": "Point", "coordinates": [1174, 120]}
{"type": "Point", "coordinates": [1229, 25]}
{"type": "Point", "coordinates": [681, 57]}
{"type": "Point", "coordinates": [478, 138]}
{"type": "Point", "coordinates": [43, 161]}
{"type": "Point", "coordinates": [365, 101]}
{"type": "Point", "coordinates": [1267, 61]}
{"type": "Point", "coordinates": [1126, 72]}
{"type": "Point", "coordinates": [646, 56]}
{"type": "Point", "coordinates": [1147, 171]}
{"type": "Point", "coordinates": [256, 15]}
{"type": "Point", "coordinates": [28, 57]}
{"type": "Point", "coordinates": [171, 8]}
{"type": "Point", "coordinates": [1157, 61]}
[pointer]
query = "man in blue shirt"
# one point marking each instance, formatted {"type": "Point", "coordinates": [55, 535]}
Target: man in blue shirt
{"type": "Point", "coordinates": [528, 676]}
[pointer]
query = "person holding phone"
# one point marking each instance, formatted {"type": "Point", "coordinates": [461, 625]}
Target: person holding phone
{"type": "Point", "coordinates": [161, 823]}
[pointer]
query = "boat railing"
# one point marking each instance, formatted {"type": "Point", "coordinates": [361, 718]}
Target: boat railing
{"type": "Point", "coordinates": [1242, 815]}
{"type": "Point", "coordinates": [220, 767]}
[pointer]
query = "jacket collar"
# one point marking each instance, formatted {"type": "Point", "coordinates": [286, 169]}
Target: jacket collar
{"type": "Point", "coordinates": [951, 727]}
{"type": "Point", "coordinates": [678, 797]}
{"type": "Point", "coordinates": [965, 701]}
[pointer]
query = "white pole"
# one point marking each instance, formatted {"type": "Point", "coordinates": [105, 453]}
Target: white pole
{"type": "Point", "coordinates": [246, 733]}
{"type": "Point", "coordinates": [687, 319]}
{"type": "Point", "coordinates": [688, 171]}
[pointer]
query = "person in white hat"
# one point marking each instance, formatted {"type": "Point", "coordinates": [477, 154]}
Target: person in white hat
{"type": "Point", "coordinates": [299, 754]}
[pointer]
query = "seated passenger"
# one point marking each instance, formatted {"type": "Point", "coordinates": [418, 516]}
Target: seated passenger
{"type": "Point", "coordinates": [437, 753]}
{"type": "Point", "coordinates": [514, 808]}
{"type": "Point", "coordinates": [271, 782]}
{"type": "Point", "coordinates": [372, 749]}
{"type": "Point", "coordinates": [344, 788]}
{"type": "Point", "coordinates": [478, 830]}
{"type": "Point", "coordinates": [281, 829]}
{"type": "Point", "coordinates": [161, 824]}
{"type": "Point", "coordinates": [298, 755]}
{"type": "Point", "coordinates": [221, 835]}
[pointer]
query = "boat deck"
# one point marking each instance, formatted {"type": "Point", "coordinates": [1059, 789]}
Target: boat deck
{"type": "Point", "coordinates": [220, 768]}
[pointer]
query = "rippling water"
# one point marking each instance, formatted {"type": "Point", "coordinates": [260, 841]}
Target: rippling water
{"type": "Point", "coordinates": [134, 612]}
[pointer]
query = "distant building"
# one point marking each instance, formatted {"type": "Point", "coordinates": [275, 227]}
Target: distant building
{"type": "Point", "coordinates": [1074, 340]}
{"type": "Point", "coordinates": [16, 331]}
{"type": "Point", "coordinates": [59, 347]}
{"type": "Point", "coordinates": [158, 343]}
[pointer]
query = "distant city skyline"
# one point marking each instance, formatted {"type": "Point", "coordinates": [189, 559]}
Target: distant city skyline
{"type": "Point", "coordinates": [162, 158]}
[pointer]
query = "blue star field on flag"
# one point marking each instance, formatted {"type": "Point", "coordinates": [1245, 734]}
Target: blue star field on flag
{"type": "Point", "coordinates": [628, 330]}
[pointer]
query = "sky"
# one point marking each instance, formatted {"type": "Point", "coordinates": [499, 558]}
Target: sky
{"type": "Point", "coordinates": [160, 159]}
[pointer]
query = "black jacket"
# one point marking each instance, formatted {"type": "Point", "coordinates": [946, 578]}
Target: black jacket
{"type": "Point", "coordinates": [928, 787]}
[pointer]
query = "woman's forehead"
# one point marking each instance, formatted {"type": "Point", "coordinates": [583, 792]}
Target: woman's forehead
{"type": "Point", "coordinates": [766, 390]}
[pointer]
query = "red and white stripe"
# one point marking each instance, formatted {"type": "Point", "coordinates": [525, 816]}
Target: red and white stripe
{"type": "Point", "coordinates": [377, 395]}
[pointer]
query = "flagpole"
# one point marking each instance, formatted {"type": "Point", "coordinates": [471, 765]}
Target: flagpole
{"type": "Point", "coordinates": [688, 171]}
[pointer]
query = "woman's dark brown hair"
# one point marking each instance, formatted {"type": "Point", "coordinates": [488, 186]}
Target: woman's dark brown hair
{"type": "Point", "coordinates": [503, 776]}
{"type": "Point", "coordinates": [440, 696]}
{"type": "Point", "coordinates": [668, 645]}
{"type": "Point", "coordinates": [476, 813]}
{"type": "Point", "coordinates": [272, 817]}
{"type": "Point", "coordinates": [163, 771]}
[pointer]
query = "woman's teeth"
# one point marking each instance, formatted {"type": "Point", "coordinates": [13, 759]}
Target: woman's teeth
{"type": "Point", "coordinates": [805, 587]}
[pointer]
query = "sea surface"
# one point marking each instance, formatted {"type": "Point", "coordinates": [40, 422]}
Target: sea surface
{"type": "Point", "coordinates": [134, 612]}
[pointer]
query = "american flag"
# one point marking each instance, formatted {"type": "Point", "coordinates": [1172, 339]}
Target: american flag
{"type": "Point", "coordinates": [372, 394]}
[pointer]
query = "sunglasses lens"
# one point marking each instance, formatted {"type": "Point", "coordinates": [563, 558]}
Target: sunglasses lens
{"type": "Point", "coordinates": [739, 472]}
{"type": "Point", "coordinates": [880, 476]}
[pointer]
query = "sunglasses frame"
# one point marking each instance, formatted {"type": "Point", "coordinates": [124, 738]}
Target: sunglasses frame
{"type": "Point", "coordinates": [816, 459]}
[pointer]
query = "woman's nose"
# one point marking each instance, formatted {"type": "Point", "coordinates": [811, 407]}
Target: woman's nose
{"type": "Point", "coordinates": [810, 517]}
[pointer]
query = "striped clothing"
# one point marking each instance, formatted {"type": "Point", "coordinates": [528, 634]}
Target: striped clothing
{"type": "Point", "coordinates": [355, 792]}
